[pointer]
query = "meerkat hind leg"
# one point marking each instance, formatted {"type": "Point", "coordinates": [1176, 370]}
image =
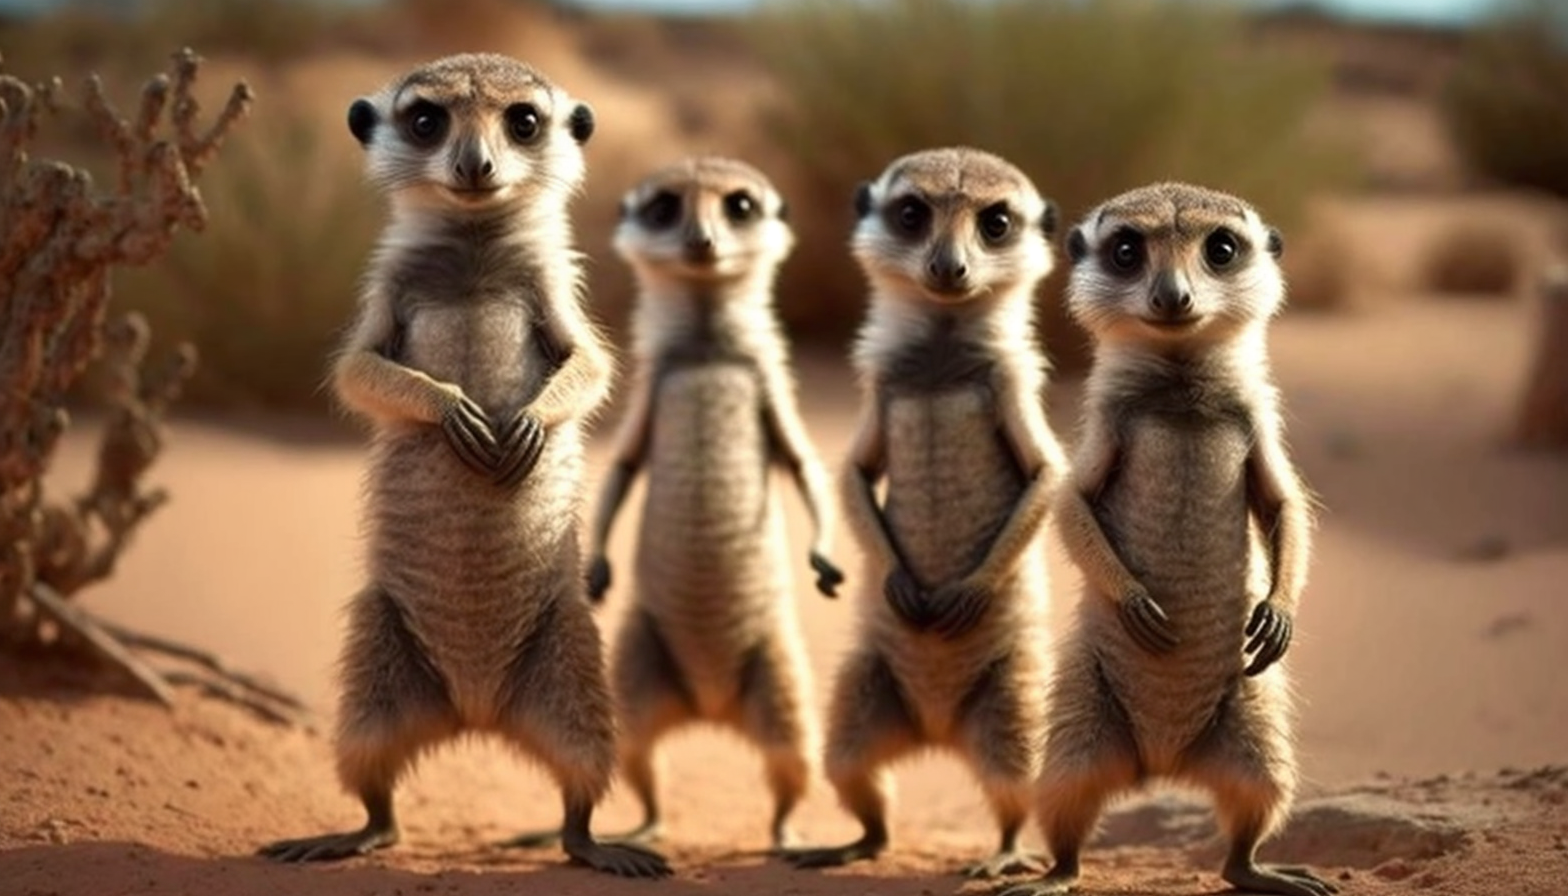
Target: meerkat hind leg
{"type": "Point", "coordinates": [1090, 757]}
{"type": "Point", "coordinates": [773, 714]}
{"type": "Point", "coordinates": [557, 706]}
{"type": "Point", "coordinates": [653, 699]}
{"type": "Point", "coordinates": [1245, 760]}
{"type": "Point", "coordinates": [868, 728]}
{"type": "Point", "coordinates": [1000, 723]}
{"type": "Point", "coordinates": [393, 706]}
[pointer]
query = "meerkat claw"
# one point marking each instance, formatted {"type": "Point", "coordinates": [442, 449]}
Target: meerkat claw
{"type": "Point", "coordinates": [598, 578]}
{"type": "Point", "coordinates": [1255, 878]}
{"type": "Point", "coordinates": [330, 847]}
{"type": "Point", "coordinates": [1270, 629]}
{"type": "Point", "coordinates": [962, 606]}
{"type": "Point", "coordinates": [829, 576]}
{"type": "Point", "coordinates": [620, 859]}
{"type": "Point", "coordinates": [520, 445]}
{"type": "Point", "coordinates": [469, 435]}
{"type": "Point", "coordinates": [907, 598]}
{"type": "Point", "coordinates": [1146, 621]}
{"type": "Point", "coordinates": [1003, 864]}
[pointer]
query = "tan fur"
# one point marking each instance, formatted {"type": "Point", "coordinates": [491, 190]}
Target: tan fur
{"type": "Point", "coordinates": [474, 618]}
{"type": "Point", "coordinates": [952, 421]}
{"type": "Point", "coordinates": [1180, 468]}
{"type": "Point", "coordinates": [713, 635]}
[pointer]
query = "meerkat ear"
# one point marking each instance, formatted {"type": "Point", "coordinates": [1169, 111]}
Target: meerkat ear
{"type": "Point", "coordinates": [783, 214]}
{"type": "Point", "coordinates": [581, 123]}
{"type": "Point", "coordinates": [863, 199]}
{"type": "Point", "coordinates": [362, 120]}
{"type": "Point", "coordinates": [1276, 243]}
{"type": "Point", "coordinates": [1077, 245]}
{"type": "Point", "coordinates": [1048, 220]}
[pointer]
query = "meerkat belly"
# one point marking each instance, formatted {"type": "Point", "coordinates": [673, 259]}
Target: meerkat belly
{"type": "Point", "coordinates": [952, 482]}
{"type": "Point", "coordinates": [485, 347]}
{"type": "Point", "coordinates": [472, 564]}
{"type": "Point", "coordinates": [1177, 514]}
{"type": "Point", "coordinates": [711, 554]}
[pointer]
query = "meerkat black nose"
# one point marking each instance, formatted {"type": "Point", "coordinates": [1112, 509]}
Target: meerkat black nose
{"type": "Point", "coordinates": [699, 247]}
{"type": "Point", "coordinates": [474, 169]}
{"type": "Point", "coordinates": [947, 269]}
{"type": "Point", "coordinates": [1171, 298]}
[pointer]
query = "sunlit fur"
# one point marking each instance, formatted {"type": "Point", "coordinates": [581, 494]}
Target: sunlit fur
{"type": "Point", "coordinates": [949, 478]}
{"type": "Point", "coordinates": [475, 89]}
{"type": "Point", "coordinates": [957, 183]}
{"type": "Point", "coordinates": [713, 634]}
{"type": "Point", "coordinates": [1183, 497]}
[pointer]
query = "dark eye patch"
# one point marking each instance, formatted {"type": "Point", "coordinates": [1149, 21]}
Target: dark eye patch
{"type": "Point", "coordinates": [660, 211]}
{"type": "Point", "coordinates": [425, 123]}
{"type": "Point", "coordinates": [1125, 251]}
{"type": "Point", "coordinates": [908, 216]}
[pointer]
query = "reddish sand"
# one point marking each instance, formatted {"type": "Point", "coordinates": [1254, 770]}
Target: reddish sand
{"type": "Point", "coordinates": [1432, 641]}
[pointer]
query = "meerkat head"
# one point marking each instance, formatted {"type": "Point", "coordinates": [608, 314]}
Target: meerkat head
{"type": "Point", "coordinates": [704, 218]}
{"type": "Point", "coordinates": [1173, 263]}
{"type": "Point", "coordinates": [472, 131]}
{"type": "Point", "coordinates": [953, 225]}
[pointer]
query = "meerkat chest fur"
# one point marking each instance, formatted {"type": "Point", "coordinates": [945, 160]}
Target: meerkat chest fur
{"type": "Point", "coordinates": [468, 561]}
{"type": "Point", "coordinates": [710, 558]}
{"type": "Point", "coordinates": [1176, 510]}
{"type": "Point", "coordinates": [468, 303]}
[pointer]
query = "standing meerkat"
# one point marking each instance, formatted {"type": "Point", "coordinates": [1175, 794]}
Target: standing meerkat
{"type": "Point", "coordinates": [713, 633]}
{"type": "Point", "coordinates": [950, 648]}
{"type": "Point", "coordinates": [473, 359]}
{"type": "Point", "coordinates": [1171, 671]}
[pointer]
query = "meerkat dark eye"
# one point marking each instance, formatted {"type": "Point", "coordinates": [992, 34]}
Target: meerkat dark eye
{"type": "Point", "coordinates": [1126, 255]}
{"type": "Point", "coordinates": [425, 123]}
{"type": "Point", "coordinates": [910, 216]}
{"type": "Point", "coordinates": [522, 122]}
{"type": "Point", "coordinates": [1220, 249]}
{"type": "Point", "coordinates": [660, 211]}
{"type": "Point", "coordinates": [995, 223]}
{"type": "Point", "coordinates": [741, 207]}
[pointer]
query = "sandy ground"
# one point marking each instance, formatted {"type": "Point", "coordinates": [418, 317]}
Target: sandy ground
{"type": "Point", "coordinates": [1429, 659]}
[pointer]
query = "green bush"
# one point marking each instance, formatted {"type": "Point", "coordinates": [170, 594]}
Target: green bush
{"type": "Point", "coordinates": [266, 291]}
{"type": "Point", "coordinates": [1506, 102]}
{"type": "Point", "coordinates": [1089, 97]}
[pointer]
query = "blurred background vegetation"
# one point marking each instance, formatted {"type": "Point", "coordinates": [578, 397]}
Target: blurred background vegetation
{"type": "Point", "coordinates": [1290, 108]}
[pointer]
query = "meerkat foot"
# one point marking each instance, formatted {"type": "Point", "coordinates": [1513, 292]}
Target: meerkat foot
{"type": "Point", "coordinates": [331, 847]}
{"type": "Point", "coordinates": [621, 859]}
{"type": "Point", "coordinates": [868, 847]}
{"type": "Point", "coordinates": [1062, 878]}
{"type": "Point", "coordinates": [1251, 877]}
{"type": "Point", "coordinates": [1003, 864]}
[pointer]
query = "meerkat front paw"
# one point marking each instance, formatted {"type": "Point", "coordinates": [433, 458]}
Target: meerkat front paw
{"type": "Point", "coordinates": [907, 598]}
{"type": "Point", "coordinates": [598, 578]}
{"type": "Point", "coordinates": [1146, 621]}
{"type": "Point", "coordinates": [468, 432]}
{"type": "Point", "coordinates": [1270, 629]}
{"type": "Point", "coordinates": [519, 446]}
{"type": "Point", "coordinates": [829, 576]}
{"type": "Point", "coordinates": [958, 607]}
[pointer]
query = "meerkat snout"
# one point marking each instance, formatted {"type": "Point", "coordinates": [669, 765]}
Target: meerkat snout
{"type": "Point", "coordinates": [953, 241]}
{"type": "Point", "coordinates": [705, 218]}
{"type": "Point", "coordinates": [472, 142]}
{"type": "Point", "coordinates": [1145, 270]}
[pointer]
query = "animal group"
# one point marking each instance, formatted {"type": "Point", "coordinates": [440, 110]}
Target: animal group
{"type": "Point", "coordinates": [475, 362]}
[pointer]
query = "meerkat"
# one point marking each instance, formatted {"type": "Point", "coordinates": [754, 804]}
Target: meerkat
{"type": "Point", "coordinates": [949, 652]}
{"type": "Point", "coordinates": [476, 365]}
{"type": "Point", "coordinates": [1172, 668]}
{"type": "Point", "coordinates": [712, 634]}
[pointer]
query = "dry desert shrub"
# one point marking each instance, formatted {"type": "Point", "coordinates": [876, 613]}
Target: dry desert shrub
{"type": "Point", "coordinates": [1472, 258]}
{"type": "Point", "coordinates": [62, 236]}
{"type": "Point", "coordinates": [1506, 103]}
{"type": "Point", "coordinates": [1089, 97]}
{"type": "Point", "coordinates": [1320, 269]}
